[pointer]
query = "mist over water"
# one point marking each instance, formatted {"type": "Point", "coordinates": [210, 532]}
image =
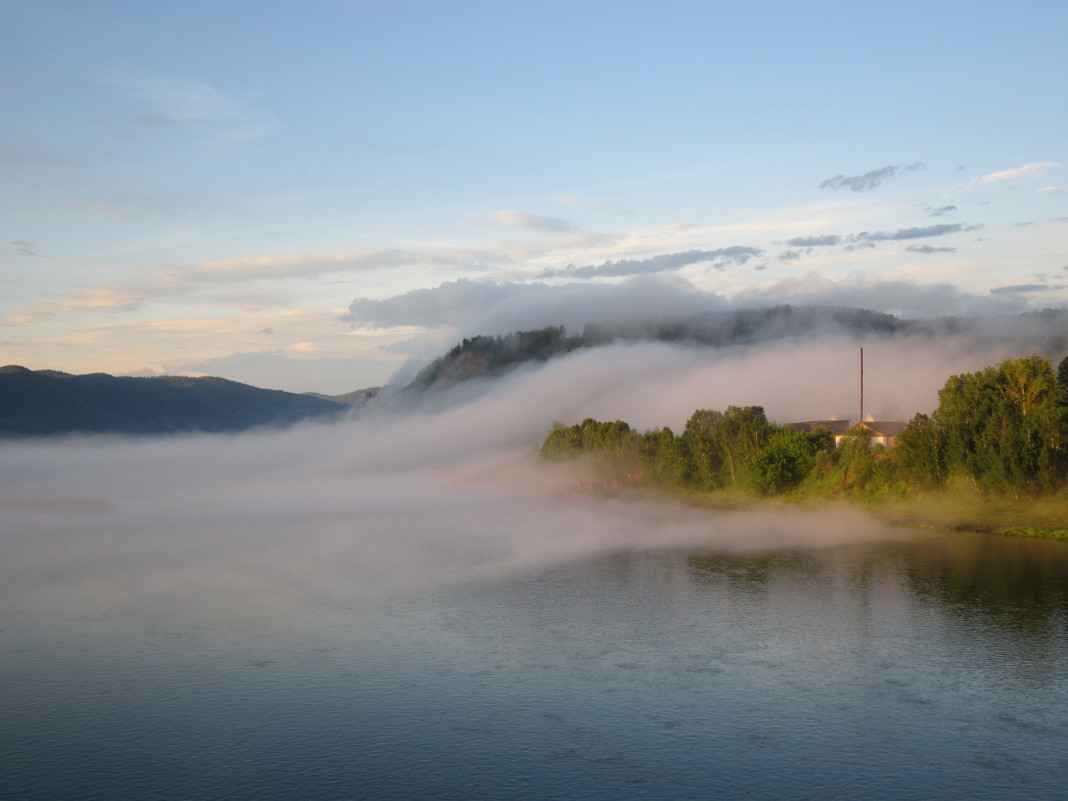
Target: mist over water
{"type": "Point", "coordinates": [446, 491]}
{"type": "Point", "coordinates": [404, 605]}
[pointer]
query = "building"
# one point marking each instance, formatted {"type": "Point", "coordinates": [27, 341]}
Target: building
{"type": "Point", "coordinates": [883, 432]}
{"type": "Point", "coordinates": [839, 428]}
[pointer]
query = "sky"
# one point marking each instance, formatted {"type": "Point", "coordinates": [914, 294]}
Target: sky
{"type": "Point", "coordinates": [308, 196]}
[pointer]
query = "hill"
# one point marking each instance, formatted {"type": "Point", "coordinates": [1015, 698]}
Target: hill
{"type": "Point", "coordinates": [493, 356]}
{"type": "Point", "coordinates": [45, 402]}
{"type": "Point", "coordinates": [356, 399]}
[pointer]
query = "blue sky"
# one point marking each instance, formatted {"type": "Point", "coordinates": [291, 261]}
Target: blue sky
{"type": "Point", "coordinates": [305, 195]}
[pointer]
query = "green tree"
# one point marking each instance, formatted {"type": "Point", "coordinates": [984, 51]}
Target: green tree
{"type": "Point", "coordinates": [785, 459]}
{"type": "Point", "coordinates": [1004, 427]}
{"type": "Point", "coordinates": [614, 448]}
{"type": "Point", "coordinates": [665, 458]}
{"type": "Point", "coordinates": [742, 433]}
{"type": "Point", "coordinates": [920, 452]}
{"type": "Point", "coordinates": [701, 452]}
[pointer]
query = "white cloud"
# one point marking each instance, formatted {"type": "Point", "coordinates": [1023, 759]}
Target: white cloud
{"type": "Point", "coordinates": [534, 222]}
{"type": "Point", "coordinates": [1025, 173]}
{"type": "Point", "coordinates": [196, 106]}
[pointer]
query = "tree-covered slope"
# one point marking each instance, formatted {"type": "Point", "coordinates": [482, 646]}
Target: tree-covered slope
{"type": "Point", "coordinates": [43, 402]}
{"type": "Point", "coordinates": [492, 356]}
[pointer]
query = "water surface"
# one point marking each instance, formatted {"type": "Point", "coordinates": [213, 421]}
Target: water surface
{"type": "Point", "coordinates": [236, 662]}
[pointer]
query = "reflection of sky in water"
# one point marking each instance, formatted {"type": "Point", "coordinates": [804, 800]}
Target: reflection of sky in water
{"type": "Point", "coordinates": [245, 618]}
{"type": "Point", "coordinates": [662, 673]}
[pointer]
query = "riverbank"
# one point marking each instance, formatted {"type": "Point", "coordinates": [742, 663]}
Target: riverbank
{"type": "Point", "coordinates": [962, 510]}
{"type": "Point", "coordinates": [951, 510]}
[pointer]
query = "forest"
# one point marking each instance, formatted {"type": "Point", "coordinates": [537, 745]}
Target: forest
{"type": "Point", "coordinates": [1000, 431]}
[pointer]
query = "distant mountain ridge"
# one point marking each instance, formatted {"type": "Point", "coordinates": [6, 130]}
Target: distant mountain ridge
{"type": "Point", "coordinates": [49, 402]}
{"type": "Point", "coordinates": [44, 402]}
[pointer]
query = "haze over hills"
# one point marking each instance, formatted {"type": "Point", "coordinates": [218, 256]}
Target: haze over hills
{"type": "Point", "coordinates": [45, 402]}
{"type": "Point", "coordinates": [485, 356]}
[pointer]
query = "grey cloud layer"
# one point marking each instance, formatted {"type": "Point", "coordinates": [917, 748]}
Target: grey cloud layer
{"type": "Point", "coordinates": [869, 180]}
{"type": "Point", "coordinates": [1017, 289]}
{"type": "Point", "coordinates": [942, 210]}
{"type": "Point", "coordinates": [929, 249]}
{"type": "Point", "coordinates": [451, 303]}
{"type": "Point", "coordinates": [814, 241]}
{"type": "Point", "coordinates": [723, 257]}
{"type": "Point", "coordinates": [908, 233]}
{"type": "Point", "coordinates": [485, 307]}
{"type": "Point", "coordinates": [868, 239]}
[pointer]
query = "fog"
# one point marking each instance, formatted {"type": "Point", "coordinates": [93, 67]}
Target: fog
{"type": "Point", "coordinates": [268, 525]}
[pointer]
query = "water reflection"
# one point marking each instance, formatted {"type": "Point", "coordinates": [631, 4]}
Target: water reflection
{"type": "Point", "coordinates": [925, 665]}
{"type": "Point", "coordinates": [1013, 582]}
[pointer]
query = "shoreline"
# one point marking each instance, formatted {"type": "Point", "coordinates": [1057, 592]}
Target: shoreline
{"type": "Point", "coordinates": [1045, 518]}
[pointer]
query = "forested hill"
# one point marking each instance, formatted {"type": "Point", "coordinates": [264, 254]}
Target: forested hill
{"type": "Point", "coordinates": [44, 402]}
{"type": "Point", "coordinates": [489, 356]}
{"type": "Point", "coordinates": [484, 356]}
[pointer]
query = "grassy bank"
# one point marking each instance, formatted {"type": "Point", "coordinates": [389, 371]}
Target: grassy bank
{"type": "Point", "coordinates": [971, 510]}
{"type": "Point", "coordinates": [960, 509]}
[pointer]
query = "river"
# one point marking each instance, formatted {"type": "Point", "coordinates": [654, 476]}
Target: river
{"type": "Point", "coordinates": [894, 665]}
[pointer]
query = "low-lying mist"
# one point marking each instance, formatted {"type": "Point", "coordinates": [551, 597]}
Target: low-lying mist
{"type": "Point", "coordinates": [384, 503]}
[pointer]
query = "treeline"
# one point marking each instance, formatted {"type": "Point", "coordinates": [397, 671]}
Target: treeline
{"type": "Point", "coordinates": [482, 356]}
{"type": "Point", "coordinates": [493, 356]}
{"type": "Point", "coordinates": [1003, 429]}
{"type": "Point", "coordinates": [489, 356]}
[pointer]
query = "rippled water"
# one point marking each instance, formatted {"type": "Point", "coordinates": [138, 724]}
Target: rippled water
{"type": "Point", "coordinates": [915, 667]}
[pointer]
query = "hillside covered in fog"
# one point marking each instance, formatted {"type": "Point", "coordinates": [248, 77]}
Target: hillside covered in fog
{"type": "Point", "coordinates": [796, 361]}
{"type": "Point", "coordinates": [493, 356]}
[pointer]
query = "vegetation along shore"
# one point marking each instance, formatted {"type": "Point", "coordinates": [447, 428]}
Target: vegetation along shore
{"type": "Point", "coordinates": [992, 457]}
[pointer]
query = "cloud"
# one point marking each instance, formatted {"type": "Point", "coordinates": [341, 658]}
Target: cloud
{"type": "Point", "coordinates": [599, 205]}
{"type": "Point", "coordinates": [814, 241]}
{"type": "Point", "coordinates": [452, 303]}
{"type": "Point", "coordinates": [869, 180]}
{"type": "Point", "coordinates": [789, 255]}
{"type": "Point", "coordinates": [723, 257]}
{"type": "Point", "coordinates": [487, 307]}
{"type": "Point", "coordinates": [292, 265]}
{"type": "Point", "coordinates": [908, 233]}
{"type": "Point", "coordinates": [533, 222]}
{"type": "Point", "coordinates": [899, 297]}
{"type": "Point", "coordinates": [941, 211]}
{"type": "Point", "coordinates": [23, 248]}
{"type": "Point", "coordinates": [1017, 289]}
{"type": "Point", "coordinates": [471, 307]}
{"type": "Point", "coordinates": [1048, 190]}
{"type": "Point", "coordinates": [175, 281]}
{"type": "Point", "coordinates": [1027, 172]}
{"type": "Point", "coordinates": [929, 249]}
{"type": "Point", "coordinates": [196, 106]}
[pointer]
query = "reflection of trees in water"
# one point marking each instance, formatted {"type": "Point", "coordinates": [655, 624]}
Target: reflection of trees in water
{"type": "Point", "coordinates": [1016, 586]}
{"type": "Point", "coordinates": [859, 565]}
{"type": "Point", "coordinates": [750, 571]}
{"type": "Point", "coordinates": [1008, 581]}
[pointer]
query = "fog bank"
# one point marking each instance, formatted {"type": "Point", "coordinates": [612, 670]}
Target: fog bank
{"type": "Point", "coordinates": [334, 516]}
